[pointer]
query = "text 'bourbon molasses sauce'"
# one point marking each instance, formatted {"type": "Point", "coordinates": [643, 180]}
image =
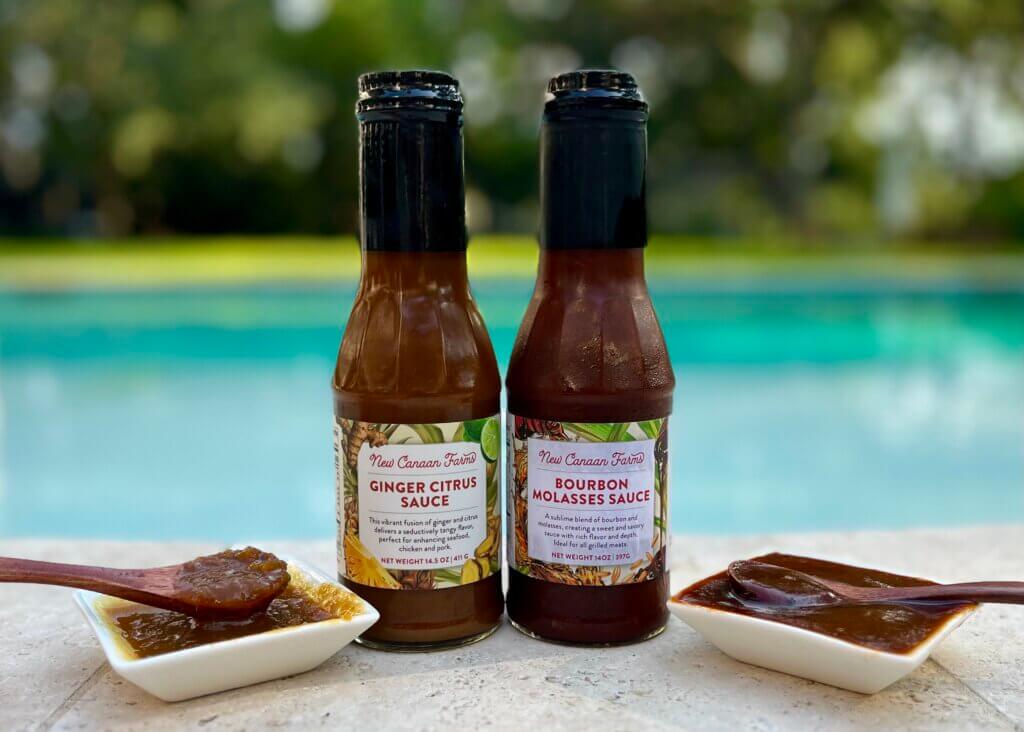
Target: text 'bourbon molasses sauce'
{"type": "Point", "coordinates": [417, 391]}
{"type": "Point", "coordinates": [590, 385]}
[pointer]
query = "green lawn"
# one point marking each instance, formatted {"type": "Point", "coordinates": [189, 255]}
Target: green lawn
{"type": "Point", "coordinates": [45, 264]}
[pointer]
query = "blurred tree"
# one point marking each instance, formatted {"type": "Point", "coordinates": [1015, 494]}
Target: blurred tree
{"type": "Point", "coordinates": [823, 118]}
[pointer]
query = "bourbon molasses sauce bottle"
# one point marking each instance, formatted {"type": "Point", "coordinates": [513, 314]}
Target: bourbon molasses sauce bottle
{"type": "Point", "coordinates": [590, 385]}
{"type": "Point", "coordinates": [416, 387]}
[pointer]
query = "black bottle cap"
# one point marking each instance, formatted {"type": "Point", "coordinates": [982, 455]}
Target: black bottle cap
{"type": "Point", "coordinates": [594, 89]}
{"type": "Point", "coordinates": [411, 181]}
{"type": "Point", "coordinates": [411, 90]}
{"type": "Point", "coordinates": [593, 160]}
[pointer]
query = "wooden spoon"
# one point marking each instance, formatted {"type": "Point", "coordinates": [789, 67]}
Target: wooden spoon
{"type": "Point", "coordinates": [230, 585]}
{"type": "Point", "coordinates": [787, 588]}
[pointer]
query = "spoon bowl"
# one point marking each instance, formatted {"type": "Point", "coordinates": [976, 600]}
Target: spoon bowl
{"type": "Point", "coordinates": [768, 584]}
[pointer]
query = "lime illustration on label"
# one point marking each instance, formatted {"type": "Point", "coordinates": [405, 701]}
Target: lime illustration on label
{"type": "Point", "coordinates": [418, 504]}
{"type": "Point", "coordinates": [588, 502]}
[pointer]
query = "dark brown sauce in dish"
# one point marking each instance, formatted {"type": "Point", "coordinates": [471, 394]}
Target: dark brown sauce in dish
{"type": "Point", "coordinates": [891, 627]}
{"type": "Point", "coordinates": [148, 632]}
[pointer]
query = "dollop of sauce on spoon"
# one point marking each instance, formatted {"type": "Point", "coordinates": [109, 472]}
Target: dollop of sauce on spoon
{"type": "Point", "coordinates": [231, 578]}
{"type": "Point", "coordinates": [783, 597]}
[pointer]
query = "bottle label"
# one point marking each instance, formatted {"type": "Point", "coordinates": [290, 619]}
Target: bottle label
{"type": "Point", "coordinates": [588, 502]}
{"type": "Point", "coordinates": [418, 503]}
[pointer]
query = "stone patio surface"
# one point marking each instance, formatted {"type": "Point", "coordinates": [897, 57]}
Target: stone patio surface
{"type": "Point", "coordinates": [54, 676]}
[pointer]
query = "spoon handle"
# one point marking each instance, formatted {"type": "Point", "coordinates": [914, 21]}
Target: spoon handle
{"type": "Point", "coordinates": [97, 579]}
{"type": "Point", "coordinates": [999, 592]}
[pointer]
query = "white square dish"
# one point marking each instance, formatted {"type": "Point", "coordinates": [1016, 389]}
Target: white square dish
{"type": "Point", "coordinates": [805, 653]}
{"type": "Point", "coordinates": [232, 663]}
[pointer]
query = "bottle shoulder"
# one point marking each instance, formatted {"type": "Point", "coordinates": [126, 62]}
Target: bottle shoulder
{"type": "Point", "coordinates": [600, 352]}
{"type": "Point", "coordinates": [421, 351]}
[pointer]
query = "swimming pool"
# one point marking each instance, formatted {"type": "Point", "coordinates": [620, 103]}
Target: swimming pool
{"type": "Point", "coordinates": [206, 413]}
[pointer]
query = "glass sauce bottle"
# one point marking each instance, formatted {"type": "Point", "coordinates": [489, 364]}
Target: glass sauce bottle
{"type": "Point", "coordinates": [416, 387]}
{"type": "Point", "coordinates": [590, 385]}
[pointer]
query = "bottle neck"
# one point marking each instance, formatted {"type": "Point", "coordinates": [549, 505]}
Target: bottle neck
{"type": "Point", "coordinates": [411, 190]}
{"type": "Point", "coordinates": [593, 179]}
{"type": "Point", "coordinates": [573, 270]}
{"type": "Point", "coordinates": [436, 272]}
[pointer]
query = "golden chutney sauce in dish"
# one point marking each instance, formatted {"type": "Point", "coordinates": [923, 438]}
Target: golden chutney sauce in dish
{"type": "Point", "coordinates": [149, 632]}
{"type": "Point", "coordinates": [887, 626]}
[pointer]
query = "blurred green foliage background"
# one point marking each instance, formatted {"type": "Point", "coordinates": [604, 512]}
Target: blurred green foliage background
{"type": "Point", "coordinates": [847, 122]}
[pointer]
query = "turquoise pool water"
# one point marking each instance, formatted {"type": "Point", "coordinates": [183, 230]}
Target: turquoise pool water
{"type": "Point", "coordinates": [207, 413]}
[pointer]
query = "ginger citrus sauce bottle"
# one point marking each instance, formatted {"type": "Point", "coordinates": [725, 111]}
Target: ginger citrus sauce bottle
{"type": "Point", "coordinates": [416, 387]}
{"type": "Point", "coordinates": [590, 385]}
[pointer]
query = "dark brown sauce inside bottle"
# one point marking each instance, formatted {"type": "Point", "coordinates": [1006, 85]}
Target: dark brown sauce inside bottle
{"type": "Point", "coordinates": [416, 351]}
{"type": "Point", "coordinates": [552, 376]}
{"type": "Point", "coordinates": [415, 348]}
{"type": "Point", "coordinates": [590, 348]}
{"type": "Point", "coordinates": [885, 626]}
